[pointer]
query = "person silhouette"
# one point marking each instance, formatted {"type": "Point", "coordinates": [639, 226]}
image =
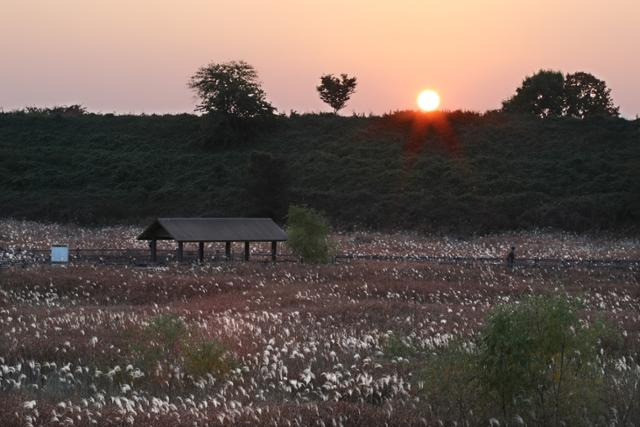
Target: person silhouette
{"type": "Point", "coordinates": [511, 257]}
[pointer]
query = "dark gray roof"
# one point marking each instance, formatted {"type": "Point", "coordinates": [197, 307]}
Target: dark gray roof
{"type": "Point", "coordinates": [214, 230]}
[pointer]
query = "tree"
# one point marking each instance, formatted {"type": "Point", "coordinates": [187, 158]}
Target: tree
{"type": "Point", "coordinates": [551, 94]}
{"type": "Point", "coordinates": [231, 89]}
{"type": "Point", "coordinates": [308, 234]}
{"type": "Point", "coordinates": [336, 91]}
{"type": "Point", "coordinates": [541, 94]}
{"type": "Point", "coordinates": [588, 96]}
{"type": "Point", "coordinates": [268, 186]}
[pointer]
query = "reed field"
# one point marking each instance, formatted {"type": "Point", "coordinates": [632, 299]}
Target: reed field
{"type": "Point", "coordinates": [257, 343]}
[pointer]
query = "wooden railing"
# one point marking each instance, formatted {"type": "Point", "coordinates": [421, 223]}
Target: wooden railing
{"type": "Point", "coordinates": [141, 257]}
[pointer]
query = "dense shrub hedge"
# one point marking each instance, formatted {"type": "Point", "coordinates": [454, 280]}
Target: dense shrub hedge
{"type": "Point", "coordinates": [458, 171]}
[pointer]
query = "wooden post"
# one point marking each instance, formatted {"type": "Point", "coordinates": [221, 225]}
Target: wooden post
{"type": "Point", "coordinates": [227, 250]}
{"type": "Point", "coordinates": [154, 252]}
{"type": "Point", "coordinates": [246, 251]}
{"type": "Point", "coordinates": [180, 252]}
{"type": "Point", "coordinates": [201, 251]}
{"type": "Point", "coordinates": [274, 248]}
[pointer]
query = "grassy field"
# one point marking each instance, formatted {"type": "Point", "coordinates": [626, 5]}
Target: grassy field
{"type": "Point", "coordinates": [262, 344]}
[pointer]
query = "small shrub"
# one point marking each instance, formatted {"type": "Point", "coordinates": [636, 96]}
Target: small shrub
{"type": "Point", "coordinates": [538, 354]}
{"type": "Point", "coordinates": [208, 357]}
{"type": "Point", "coordinates": [165, 343]}
{"type": "Point", "coordinates": [449, 381]}
{"type": "Point", "coordinates": [308, 234]}
{"type": "Point", "coordinates": [161, 341]}
{"type": "Point", "coordinates": [534, 361]}
{"type": "Point", "coordinates": [167, 330]}
{"type": "Point", "coordinates": [397, 347]}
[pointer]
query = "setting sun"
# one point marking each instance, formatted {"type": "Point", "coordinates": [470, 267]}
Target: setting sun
{"type": "Point", "coordinates": [428, 100]}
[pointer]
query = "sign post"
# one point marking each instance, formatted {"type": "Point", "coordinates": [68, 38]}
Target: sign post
{"type": "Point", "coordinates": [59, 254]}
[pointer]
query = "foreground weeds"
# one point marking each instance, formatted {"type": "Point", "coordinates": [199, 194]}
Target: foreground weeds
{"type": "Point", "coordinates": [363, 343]}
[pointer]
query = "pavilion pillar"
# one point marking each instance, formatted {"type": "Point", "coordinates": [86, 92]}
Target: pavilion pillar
{"type": "Point", "coordinates": [274, 248]}
{"type": "Point", "coordinates": [153, 249]}
{"type": "Point", "coordinates": [246, 251]}
{"type": "Point", "coordinates": [227, 250]}
{"type": "Point", "coordinates": [180, 251]}
{"type": "Point", "coordinates": [201, 251]}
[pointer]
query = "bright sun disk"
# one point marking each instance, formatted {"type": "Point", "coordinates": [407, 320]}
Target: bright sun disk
{"type": "Point", "coordinates": [428, 100]}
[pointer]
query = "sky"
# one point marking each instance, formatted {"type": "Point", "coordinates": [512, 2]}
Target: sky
{"type": "Point", "coordinates": [135, 56]}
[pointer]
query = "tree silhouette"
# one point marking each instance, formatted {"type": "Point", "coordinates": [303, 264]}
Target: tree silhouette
{"type": "Point", "coordinates": [541, 94]}
{"type": "Point", "coordinates": [336, 91]}
{"type": "Point", "coordinates": [231, 89]}
{"type": "Point", "coordinates": [551, 94]}
{"type": "Point", "coordinates": [588, 96]}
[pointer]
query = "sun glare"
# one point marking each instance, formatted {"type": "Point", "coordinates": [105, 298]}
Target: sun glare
{"type": "Point", "coordinates": [428, 100]}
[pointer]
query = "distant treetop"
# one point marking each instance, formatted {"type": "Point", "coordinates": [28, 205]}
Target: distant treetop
{"type": "Point", "coordinates": [230, 88]}
{"type": "Point", "coordinates": [336, 91]}
{"type": "Point", "coordinates": [55, 111]}
{"type": "Point", "coordinates": [588, 96]}
{"type": "Point", "coordinates": [550, 94]}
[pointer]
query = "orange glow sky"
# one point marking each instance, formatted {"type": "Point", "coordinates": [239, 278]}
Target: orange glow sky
{"type": "Point", "coordinates": [137, 55]}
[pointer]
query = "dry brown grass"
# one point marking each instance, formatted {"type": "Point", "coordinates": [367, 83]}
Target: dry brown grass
{"type": "Point", "coordinates": [310, 340]}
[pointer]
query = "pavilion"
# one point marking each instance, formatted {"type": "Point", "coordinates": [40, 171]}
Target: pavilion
{"type": "Point", "coordinates": [201, 230]}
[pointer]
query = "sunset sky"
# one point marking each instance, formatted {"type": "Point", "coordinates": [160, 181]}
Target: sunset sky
{"type": "Point", "coordinates": [133, 56]}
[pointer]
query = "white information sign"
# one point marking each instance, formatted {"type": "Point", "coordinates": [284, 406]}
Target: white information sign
{"type": "Point", "coordinates": [59, 254]}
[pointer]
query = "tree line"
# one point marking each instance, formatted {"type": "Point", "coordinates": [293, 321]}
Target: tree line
{"type": "Point", "coordinates": [232, 89]}
{"type": "Point", "coordinates": [230, 93]}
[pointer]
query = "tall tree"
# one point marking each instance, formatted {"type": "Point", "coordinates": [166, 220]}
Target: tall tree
{"type": "Point", "coordinates": [541, 94]}
{"type": "Point", "coordinates": [231, 89]}
{"type": "Point", "coordinates": [588, 96]}
{"type": "Point", "coordinates": [551, 94]}
{"type": "Point", "coordinates": [336, 91]}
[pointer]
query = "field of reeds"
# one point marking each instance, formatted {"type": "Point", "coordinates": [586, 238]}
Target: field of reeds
{"type": "Point", "coordinates": [256, 343]}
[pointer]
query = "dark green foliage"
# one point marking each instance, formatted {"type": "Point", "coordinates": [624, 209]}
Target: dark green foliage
{"type": "Point", "coordinates": [395, 346]}
{"type": "Point", "coordinates": [208, 357]}
{"type": "Point", "coordinates": [167, 330]}
{"type": "Point", "coordinates": [57, 111]}
{"type": "Point", "coordinates": [235, 105]}
{"type": "Point", "coordinates": [231, 89]}
{"type": "Point", "coordinates": [541, 94]}
{"type": "Point", "coordinates": [161, 341]}
{"type": "Point", "coordinates": [534, 361]}
{"type": "Point", "coordinates": [308, 235]}
{"type": "Point", "coordinates": [538, 358]}
{"type": "Point", "coordinates": [336, 91]}
{"type": "Point", "coordinates": [166, 340]}
{"type": "Point", "coordinates": [449, 381]}
{"type": "Point", "coordinates": [549, 94]}
{"type": "Point", "coordinates": [588, 96]}
{"type": "Point", "coordinates": [268, 185]}
{"type": "Point", "coordinates": [508, 172]}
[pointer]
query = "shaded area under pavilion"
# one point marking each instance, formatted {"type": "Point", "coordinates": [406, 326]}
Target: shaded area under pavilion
{"type": "Point", "coordinates": [206, 230]}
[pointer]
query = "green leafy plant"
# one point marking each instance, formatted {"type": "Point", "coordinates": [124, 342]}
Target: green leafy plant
{"type": "Point", "coordinates": [160, 341]}
{"type": "Point", "coordinates": [449, 381]}
{"type": "Point", "coordinates": [209, 357]}
{"type": "Point", "coordinates": [539, 352]}
{"type": "Point", "coordinates": [535, 361]}
{"type": "Point", "coordinates": [166, 342]}
{"type": "Point", "coordinates": [395, 346]}
{"type": "Point", "coordinates": [308, 233]}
